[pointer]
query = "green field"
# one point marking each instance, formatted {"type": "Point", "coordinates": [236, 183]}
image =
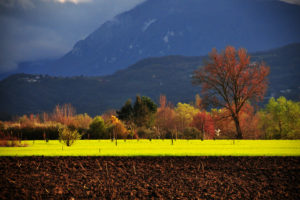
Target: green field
{"type": "Point", "coordinates": [157, 148]}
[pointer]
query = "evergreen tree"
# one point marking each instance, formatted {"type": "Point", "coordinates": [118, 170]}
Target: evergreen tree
{"type": "Point", "coordinates": [143, 111]}
{"type": "Point", "coordinates": [126, 112]}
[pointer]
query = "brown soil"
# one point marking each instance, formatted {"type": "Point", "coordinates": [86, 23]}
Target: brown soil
{"type": "Point", "coordinates": [150, 178]}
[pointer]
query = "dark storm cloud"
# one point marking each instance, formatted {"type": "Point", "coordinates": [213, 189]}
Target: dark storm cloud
{"type": "Point", "coordinates": [37, 29]}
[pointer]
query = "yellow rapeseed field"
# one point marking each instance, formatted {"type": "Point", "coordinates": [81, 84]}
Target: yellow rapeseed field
{"type": "Point", "coordinates": [157, 148]}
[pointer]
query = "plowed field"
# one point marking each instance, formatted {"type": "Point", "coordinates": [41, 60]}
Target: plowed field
{"type": "Point", "coordinates": [150, 178]}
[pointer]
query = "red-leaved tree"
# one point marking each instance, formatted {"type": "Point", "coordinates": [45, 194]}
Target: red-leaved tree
{"type": "Point", "coordinates": [229, 80]}
{"type": "Point", "coordinates": [204, 123]}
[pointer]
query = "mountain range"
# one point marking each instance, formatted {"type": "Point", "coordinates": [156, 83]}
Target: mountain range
{"type": "Point", "coordinates": [169, 75]}
{"type": "Point", "coordinates": [158, 28]}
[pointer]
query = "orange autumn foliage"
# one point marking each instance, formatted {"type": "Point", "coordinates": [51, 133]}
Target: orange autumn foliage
{"type": "Point", "coordinates": [165, 116]}
{"type": "Point", "coordinates": [248, 121]}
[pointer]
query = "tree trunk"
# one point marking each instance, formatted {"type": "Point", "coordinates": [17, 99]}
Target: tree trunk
{"type": "Point", "coordinates": [280, 128]}
{"type": "Point", "coordinates": [115, 136]}
{"type": "Point", "coordinates": [238, 127]}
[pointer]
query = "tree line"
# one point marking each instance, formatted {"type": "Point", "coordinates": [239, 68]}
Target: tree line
{"type": "Point", "coordinates": [279, 119]}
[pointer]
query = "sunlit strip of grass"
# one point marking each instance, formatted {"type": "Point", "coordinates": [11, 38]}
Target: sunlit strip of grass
{"type": "Point", "coordinates": [157, 148]}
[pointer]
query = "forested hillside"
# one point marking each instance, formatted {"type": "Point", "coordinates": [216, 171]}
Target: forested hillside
{"type": "Point", "coordinates": [170, 75]}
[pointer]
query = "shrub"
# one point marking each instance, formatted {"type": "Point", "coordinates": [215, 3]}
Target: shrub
{"type": "Point", "coordinates": [34, 133]}
{"type": "Point", "coordinates": [10, 141]}
{"type": "Point", "coordinates": [173, 134]}
{"type": "Point", "coordinates": [97, 129]}
{"type": "Point", "coordinates": [145, 133]}
{"type": "Point", "coordinates": [68, 136]}
{"type": "Point", "coordinates": [192, 133]}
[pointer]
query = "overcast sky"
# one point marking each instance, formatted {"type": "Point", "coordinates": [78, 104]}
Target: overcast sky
{"type": "Point", "coordinates": [38, 29]}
